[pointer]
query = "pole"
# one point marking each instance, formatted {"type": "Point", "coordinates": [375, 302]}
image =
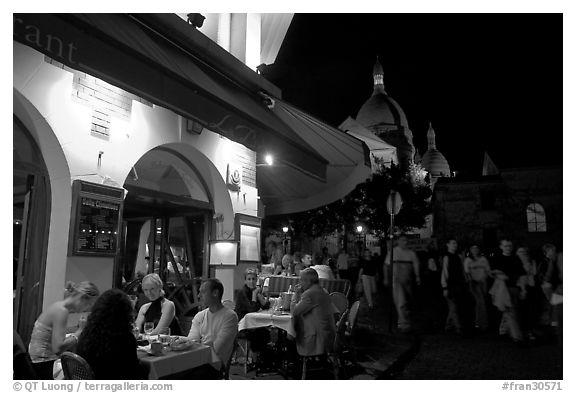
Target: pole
{"type": "Point", "coordinates": [391, 317]}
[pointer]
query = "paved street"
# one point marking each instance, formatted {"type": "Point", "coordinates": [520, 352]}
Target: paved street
{"type": "Point", "coordinates": [449, 357]}
{"type": "Point", "coordinates": [444, 356]}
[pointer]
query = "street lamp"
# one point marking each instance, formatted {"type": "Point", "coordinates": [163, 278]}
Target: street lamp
{"type": "Point", "coordinates": [285, 229]}
{"type": "Point", "coordinates": [361, 242]}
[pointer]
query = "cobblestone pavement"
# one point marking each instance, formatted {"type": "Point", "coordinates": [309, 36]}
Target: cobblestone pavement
{"type": "Point", "coordinates": [449, 357]}
{"type": "Point", "coordinates": [445, 356]}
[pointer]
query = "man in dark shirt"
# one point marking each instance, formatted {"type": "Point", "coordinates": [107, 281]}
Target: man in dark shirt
{"type": "Point", "coordinates": [507, 267]}
{"type": "Point", "coordinates": [508, 263]}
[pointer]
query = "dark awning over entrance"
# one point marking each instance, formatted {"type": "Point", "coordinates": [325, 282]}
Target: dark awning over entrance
{"type": "Point", "coordinates": [135, 53]}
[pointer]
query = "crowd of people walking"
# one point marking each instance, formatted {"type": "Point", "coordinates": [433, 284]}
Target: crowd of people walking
{"type": "Point", "coordinates": [516, 291]}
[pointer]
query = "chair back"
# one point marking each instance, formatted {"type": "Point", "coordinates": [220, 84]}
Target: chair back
{"type": "Point", "coordinates": [353, 315]}
{"type": "Point", "coordinates": [340, 301]}
{"type": "Point", "coordinates": [279, 284]}
{"type": "Point", "coordinates": [335, 285]}
{"type": "Point", "coordinates": [75, 367]}
{"type": "Point", "coordinates": [341, 332]}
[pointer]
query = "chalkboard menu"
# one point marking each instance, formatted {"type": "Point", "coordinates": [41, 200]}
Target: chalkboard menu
{"type": "Point", "coordinates": [96, 219]}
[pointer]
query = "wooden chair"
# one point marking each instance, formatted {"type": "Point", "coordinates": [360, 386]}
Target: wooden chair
{"type": "Point", "coordinates": [279, 284]}
{"type": "Point", "coordinates": [352, 317]}
{"type": "Point", "coordinates": [241, 343]}
{"type": "Point", "coordinates": [336, 285]}
{"type": "Point", "coordinates": [75, 367]}
{"type": "Point", "coordinates": [340, 301]}
{"type": "Point", "coordinates": [340, 346]}
{"type": "Point", "coordinates": [336, 355]}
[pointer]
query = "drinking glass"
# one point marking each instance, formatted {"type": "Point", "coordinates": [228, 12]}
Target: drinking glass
{"type": "Point", "coordinates": [164, 336]}
{"type": "Point", "coordinates": [148, 327]}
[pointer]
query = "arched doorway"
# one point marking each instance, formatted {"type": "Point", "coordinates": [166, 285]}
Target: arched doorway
{"type": "Point", "coordinates": [166, 223]}
{"type": "Point", "coordinates": [30, 216]}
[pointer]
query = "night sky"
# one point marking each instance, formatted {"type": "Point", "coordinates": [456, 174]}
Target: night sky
{"type": "Point", "coordinates": [486, 81]}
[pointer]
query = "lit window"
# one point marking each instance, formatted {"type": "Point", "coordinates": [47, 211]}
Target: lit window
{"type": "Point", "coordinates": [536, 218]}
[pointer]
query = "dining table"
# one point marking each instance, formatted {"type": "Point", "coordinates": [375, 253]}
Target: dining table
{"type": "Point", "coordinates": [172, 362]}
{"type": "Point", "coordinates": [266, 318]}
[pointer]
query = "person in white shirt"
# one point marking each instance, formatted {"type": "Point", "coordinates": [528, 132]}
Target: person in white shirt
{"type": "Point", "coordinates": [342, 263]}
{"type": "Point", "coordinates": [215, 326]}
{"type": "Point", "coordinates": [323, 271]}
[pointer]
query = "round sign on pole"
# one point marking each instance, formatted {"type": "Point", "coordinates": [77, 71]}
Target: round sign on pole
{"type": "Point", "coordinates": [394, 202]}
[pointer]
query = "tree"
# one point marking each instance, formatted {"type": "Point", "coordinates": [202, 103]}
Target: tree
{"type": "Point", "coordinates": [367, 204]}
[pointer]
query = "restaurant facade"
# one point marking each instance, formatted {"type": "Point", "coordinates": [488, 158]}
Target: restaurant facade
{"type": "Point", "coordinates": [142, 144]}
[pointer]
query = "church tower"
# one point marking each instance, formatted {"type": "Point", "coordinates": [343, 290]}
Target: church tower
{"type": "Point", "coordinates": [434, 161]}
{"type": "Point", "coordinates": [382, 115]}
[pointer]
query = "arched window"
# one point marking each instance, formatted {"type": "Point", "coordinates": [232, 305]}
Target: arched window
{"type": "Point", "coordinates": [536, 218]}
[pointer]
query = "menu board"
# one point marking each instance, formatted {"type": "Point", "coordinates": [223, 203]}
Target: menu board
{"type": "Point", "coordinates": [98, 226]}
{"type": "Point", "coordinates": [96, 220]}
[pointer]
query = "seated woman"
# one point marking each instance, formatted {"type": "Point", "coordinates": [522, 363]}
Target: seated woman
{"type": "Point", "coordinates": [250, 299]}
{"type": "Point", "coordinates": [48, 339]}
{"type": "Point", "coordinates": [287, 266]}
{"type": "Point", "coordinates": [160, 310]}
{"type": "Point", "coordinates": [107, 342]}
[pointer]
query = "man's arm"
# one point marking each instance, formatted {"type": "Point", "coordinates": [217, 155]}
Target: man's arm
{"type": "Point", "coordinates": [226, 335]}
{"type": "Point", "coordinates": [416, 264]}
{"type": "Point", "coordinates": [304, 305]}
{"type": "Point", "coordinates": [444, 276]}
{"type": "Point", "coordinates": [195, 329]}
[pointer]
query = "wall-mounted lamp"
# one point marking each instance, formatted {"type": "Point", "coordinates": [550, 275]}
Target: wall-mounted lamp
{"type": "Point", "coordinates": [285, 229]}
{"type": "Point", "coordinates": [268, 160]}
{"type": "Point", "coordinates": [359, 228]}
{"type": "Point", "coordinates": [223, 252]}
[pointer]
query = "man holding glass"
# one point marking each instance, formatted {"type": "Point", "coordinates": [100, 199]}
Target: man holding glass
{"type": "Point", "coordinates": [313, 316]}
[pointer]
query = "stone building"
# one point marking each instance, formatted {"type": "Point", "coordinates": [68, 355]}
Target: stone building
{"type": "Point", "coordinates": [522, 204]}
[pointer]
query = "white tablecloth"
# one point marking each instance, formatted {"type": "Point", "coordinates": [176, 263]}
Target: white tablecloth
{"type": "Point", "coordinates": [267, 318]}
{"type": "Point", "coordinates": [173, 362]}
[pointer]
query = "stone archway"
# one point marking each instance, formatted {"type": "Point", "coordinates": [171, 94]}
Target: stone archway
{"type": "Point", "coordinates": [47, 199]}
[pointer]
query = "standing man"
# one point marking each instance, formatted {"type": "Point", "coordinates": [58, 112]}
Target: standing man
{"type": "Point", "coordinates": [215, 326]}
{"type": "Point", "coordinates": [313, 317]}
{"type": "Point", "coordinates": [342, 262]}
{"type": "Point", "coordinates": [507, 267]}
{"type": "Point", "coordinates": [406, 268]}
{"type": "Point", "coordinates": [454, 288]}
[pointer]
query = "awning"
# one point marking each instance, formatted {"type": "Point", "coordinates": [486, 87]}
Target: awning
{"type": "Point", "coordinates": [284, 190]}
{"type": "Point", "coordinates": [378, 147]}
{"type": "Point", "coordinates": [136, 54]}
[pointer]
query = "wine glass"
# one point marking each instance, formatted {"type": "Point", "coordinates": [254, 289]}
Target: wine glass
{"type": "Point", "coordinates": [148, 327]}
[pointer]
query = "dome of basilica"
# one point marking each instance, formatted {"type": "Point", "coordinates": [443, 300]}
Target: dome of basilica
{"type": "Point", "coordinates": [434, 161]}
{"type": "Point", "coordinates": [381, 109]}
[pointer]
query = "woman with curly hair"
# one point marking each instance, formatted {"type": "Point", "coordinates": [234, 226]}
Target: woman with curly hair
{"type": "Point", "coordinates": [48, 339]}
{"type": "Point", "coordinates": [107, 342]}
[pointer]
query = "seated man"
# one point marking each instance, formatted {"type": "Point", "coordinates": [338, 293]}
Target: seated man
{"type": "Point", "coordinates": [312, 311]}
{"type": "Point", "coordinates": [215, 326]}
